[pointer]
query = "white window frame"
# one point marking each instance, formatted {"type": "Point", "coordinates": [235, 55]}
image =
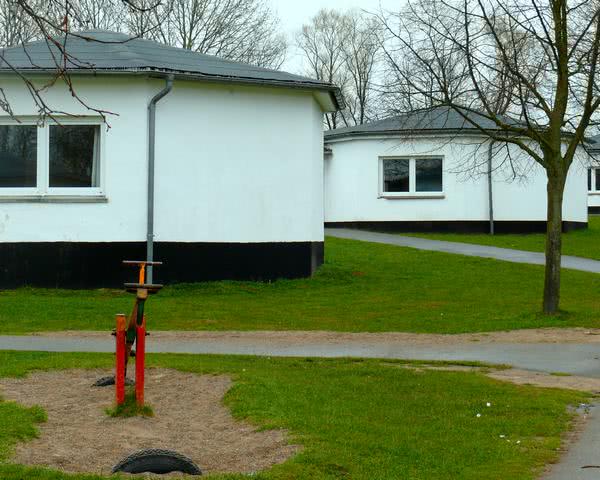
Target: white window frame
{"type": "Point", "coordinates": [24, 191]}
{"type": "Point", "coordinates": [595, 189]}
{"type": "Point", "coordinates": [412, 178]}
{"type": "Point", "coordinates": [43, 191]}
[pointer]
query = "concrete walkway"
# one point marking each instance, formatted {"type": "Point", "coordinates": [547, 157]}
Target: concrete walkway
{"type": "Point", "coordinates": [574, 358]}
{"type": "Point", "coordinates": [582, 460]}
{"type": "Point", "coordinates": [582, 359]}
{"type": "Point", "coordinates": [506, 254]}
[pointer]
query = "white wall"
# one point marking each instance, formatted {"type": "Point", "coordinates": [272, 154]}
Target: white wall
{"type": "Point", "coordinates": [250, 164]}
{"type": "Point", "coordinates": [594, 195]}
{"type": "Point", "coordinates": [352, 184]}
{"type": "Point", "coordinates": [233, 164]}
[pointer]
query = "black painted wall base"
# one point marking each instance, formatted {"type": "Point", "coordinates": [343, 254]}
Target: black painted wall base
{"type": "Point", "coordinates": [98, 265]}
{"type": "Point", "coordinates": [594, 210]}
{"type": "Point", "coordinates": [454, 226]}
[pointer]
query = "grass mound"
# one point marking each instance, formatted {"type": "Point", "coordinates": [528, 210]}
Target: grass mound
{"type": "Point", "coordinates": [130, 408]}
{"type": "Point", "coordinates": [363, 287]}
{"type": "Point", "coordinates": [359, 419]}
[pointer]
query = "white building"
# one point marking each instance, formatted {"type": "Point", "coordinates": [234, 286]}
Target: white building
{"type": "Point", "coordinates": [429, 171]}
{"type": "Point", "coordinates": [593, 181]}
{"type": "Point", "coordinates": [238, 184]}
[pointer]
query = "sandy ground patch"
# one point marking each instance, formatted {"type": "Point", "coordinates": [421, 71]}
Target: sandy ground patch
{"type": "Point", "coordinates": [294, 338]}
{"type": "Point", "coordinates": [189, 418]}
{"type": "Point", "coordinates": [539, 379]}
{"type": "Point", "coordinates": [519, 377]}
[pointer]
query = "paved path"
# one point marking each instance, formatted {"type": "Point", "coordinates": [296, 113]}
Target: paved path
{"type": "Point", "coordinates": [574, 358]}
{"type": "Point", "coordinates": [506, 254]}
{"type": "Point", "coordinates": [585, 452]}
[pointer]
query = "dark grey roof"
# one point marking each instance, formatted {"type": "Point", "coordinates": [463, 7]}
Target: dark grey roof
{"type": "Point", "coordinates": [594, 143]}
{"type": "Point", "coordinates": [434, 120]}
{"type": "Point", "coordinates": [98, 50]}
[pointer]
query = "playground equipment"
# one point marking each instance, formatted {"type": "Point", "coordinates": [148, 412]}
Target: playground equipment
{"type": "Point", "coordinates": [134, 331]}
{"type": "Point", "coordinates": [157, 461]}
{"type": "Point", "coordinates": [127, 334]}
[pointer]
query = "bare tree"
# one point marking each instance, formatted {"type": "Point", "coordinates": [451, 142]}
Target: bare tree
{"type": "Point", "coordinates": [361, 54]}
{"type": "Point", "coordinates": [51, 21]}
{"type": "Point", "coordinates": [100, 14]}
{"type": "Point", "coordinates": [146, 17]}
{"type": "Point", "coordinates": [417, 74]}
{"type": "Point", "coordinates": [538, 61]}
{"type": "Point", "coordinates": [322, 42]}
{"type": "Point", "coordinates": [343, 49]}
{"type": "Point", "coordinates": [240, 30]}
{"type": "Point", "coordinates": [16, 25]}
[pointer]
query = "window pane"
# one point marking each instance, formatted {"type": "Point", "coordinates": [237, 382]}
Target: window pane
{"type": "Point", "coordinates": [429, 175]}
{"type": "Point", "coordinates": [598, 179]}
{"type": "Point", "coordinates": [74, 155]}
{"type": "Point", "coordinates": [395, 175]}
{"type": "Point", "coordinates": [18, 156]}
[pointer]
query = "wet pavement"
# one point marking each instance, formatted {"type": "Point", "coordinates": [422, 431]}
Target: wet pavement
{"type": "Point", "coordinates": [582, 460]}
{"type": "Point", "coordinates": [506, 254]}
{"type": "Point", "coordinates": [574, 358]}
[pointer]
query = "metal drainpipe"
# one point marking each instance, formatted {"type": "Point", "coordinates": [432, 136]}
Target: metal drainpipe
{"type": "Point", "coordinates": [490, 187]}
{"type": "Point", "coordinates": [151, 155]}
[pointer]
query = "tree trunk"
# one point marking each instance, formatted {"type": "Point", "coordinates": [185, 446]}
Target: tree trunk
{"type": "Point", "coordinates": [556, 186]}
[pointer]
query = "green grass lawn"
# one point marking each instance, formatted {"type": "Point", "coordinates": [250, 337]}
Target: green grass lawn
{"type": "Point", "coordinates": [362, 287]}
{"type": "Point", "coordinates": [355, 419]}
{"type": "Point", "coordinates": [580, 243]}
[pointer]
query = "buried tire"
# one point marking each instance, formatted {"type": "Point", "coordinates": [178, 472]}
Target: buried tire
{"type": "Point", "coordinates": [108, 381]}
{"type": "Point", "coordinates": [157, 461]}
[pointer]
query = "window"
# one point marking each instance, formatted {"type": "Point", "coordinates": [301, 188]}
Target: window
{"type": "Point", "coordinates": [594, 180]}
{"type": "Point", "coordinates": [396, 175]}
{"type": "Point", "coordinates": [428, 175]}
{"type": "Point", "coordinates": [74, 155]}
{"type": "Point", "coordinates": [51, 160]}
{"type": "Point", "coordinates": [18, 156]}
{"type": "Point", "coordinates": [415, 176]}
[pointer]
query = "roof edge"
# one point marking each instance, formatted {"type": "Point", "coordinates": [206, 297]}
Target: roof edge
{"type": "Point", "coordinates": [405, 133]}
{"type": "Point", "coordinates": [420, 132]}
{"type": "Point", "coordinates": [334, 91]}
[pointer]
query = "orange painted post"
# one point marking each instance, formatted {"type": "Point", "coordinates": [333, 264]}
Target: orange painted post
{"type": "Point", "coordinates": [142, 275]}
{"type": "Point", "coordinates": [140, 355]}
{"type": "Point", "coordinates": [121, 353]}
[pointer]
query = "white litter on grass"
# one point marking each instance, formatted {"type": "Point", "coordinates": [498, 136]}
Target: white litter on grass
{"type": "Point", "coordinates": [502, 436]}
{"type": "Point", "coordinates": [478, 415]}
{"type": "Point", "coordinates": [488, 404]}
{"type": "Point", "coordinates": [518, 441]}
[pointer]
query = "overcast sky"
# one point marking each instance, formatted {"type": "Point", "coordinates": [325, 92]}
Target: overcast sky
{"type": "Point", "coordinates": [294, 13]}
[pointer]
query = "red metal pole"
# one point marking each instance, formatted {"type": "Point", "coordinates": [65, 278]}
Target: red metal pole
{"type": "Point", "coordinates": [140, 357]}
{"type": "Point", "coordinates": [121, 352]}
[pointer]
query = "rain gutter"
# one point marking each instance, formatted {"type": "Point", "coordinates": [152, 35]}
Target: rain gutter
{"type": "Point", "coordinates": [151, 156]}
{"type": "Point", "coordinates": [490, 186]}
